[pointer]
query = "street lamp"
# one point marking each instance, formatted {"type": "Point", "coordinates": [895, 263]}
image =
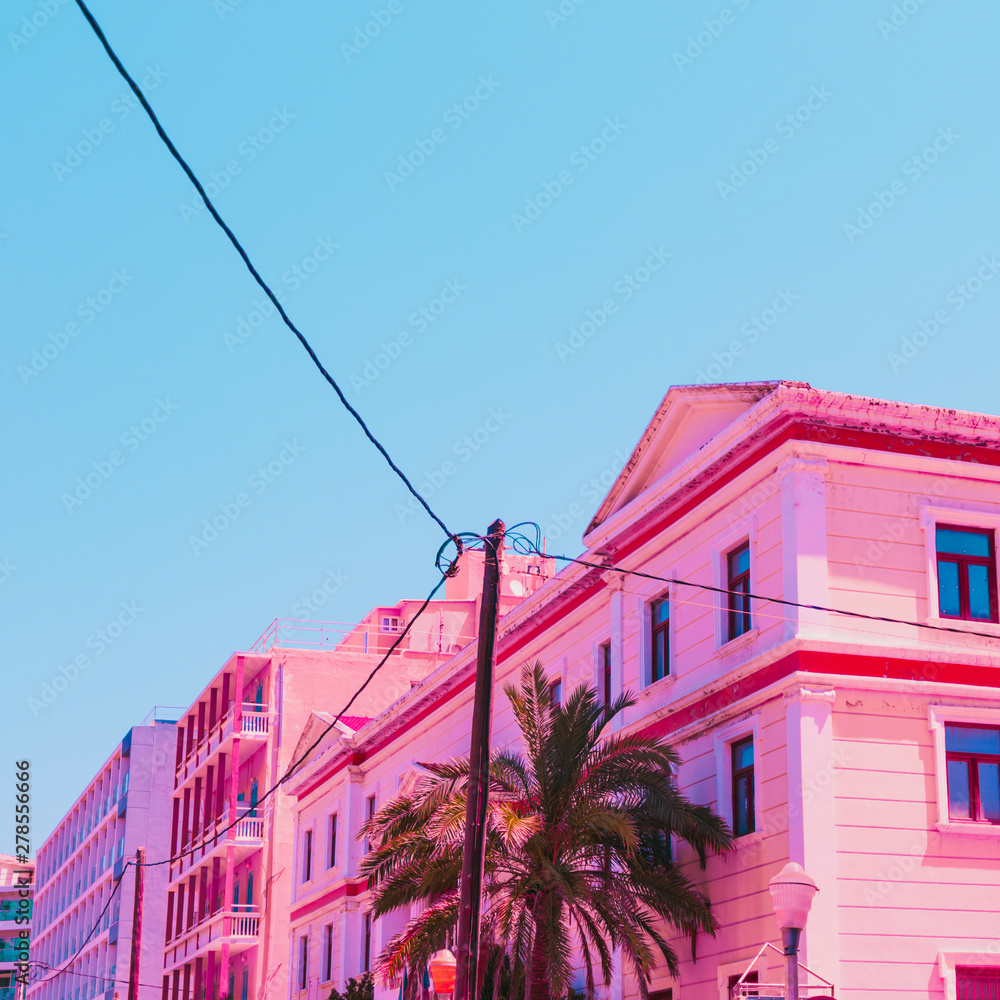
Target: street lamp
{"type": "Point", "coordinates": [792, 892]}
{"type": "Point", "coordinates": [442, 969]}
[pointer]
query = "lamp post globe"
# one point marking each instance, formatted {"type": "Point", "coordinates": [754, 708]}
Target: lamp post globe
{"type": "Point", "coordinates": [442, 969]}
{"type": "Point", "coordinates": [792, 892]}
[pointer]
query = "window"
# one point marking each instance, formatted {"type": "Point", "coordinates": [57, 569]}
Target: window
{"type": "Point", "coordinates": [391, 623]}
{"type": "Point", "coordinates": [738, 585]}
{"type": "Point", "coordinates": [605, 664]}
{"type": "Point", "coordinates": [328, 953]}
{"type": "Point", "coordinates": [307, 852]}
{"type": "Point", "coordinates": [245, 984]}
{"type": "Point", "coordinates": [751, 977]}
{"type": "Point", "coordinates": [977, 983]}
{"type": "Point", "coordinates": [972, 753]}
{"type": "Point", "coordinates": [555, 693]}
{"type": "Point", "coordinates": [236, 893]}
{"type": "Point", "coordinates": [660, 642]}
{"type": "Point", "coordinates": [743, 805]}
{"type": "Point", "coordinates": [367, 956]}
{"type": "Point", "coordinates": [369, 814]}
{"type": "Point", "coordinates": [249, 889]}
{"type": "Point", "coordinates": [253, 798]}
{"type": "Point", "coordinates": [332, 837]}
{"type": "Point", "coordinates": [966, 570]}
{"type": "Point", "coordinates": [303, 961]}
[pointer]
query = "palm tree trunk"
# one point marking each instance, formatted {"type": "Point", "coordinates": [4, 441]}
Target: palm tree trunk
{"type": "Point", "coordinates": [538, 978]}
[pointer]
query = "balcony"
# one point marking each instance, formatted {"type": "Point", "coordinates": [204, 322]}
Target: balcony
{"type": "Point", "coordinates": [254, 725]}
{"type": "Point", "coordinates": [237, 926]}
{"type": "Point", "coordinates": [246, 836]}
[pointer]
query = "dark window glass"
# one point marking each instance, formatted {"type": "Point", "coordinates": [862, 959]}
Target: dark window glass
{"type": "Point", "coordinates": [971, 739]}
{"type": "Point", "coordinates": [307, 854]}
{"type": "Point", "coordinates": [963, 543]}
{"type": "Point", "coordinates": [738, 585]}
{"type": "Point", "coordinates": [959, 800]}
{"type": "Point", "coordinates": [333, 840]}
{"type": "Point", "coordinates": [660, 661]}
{"type": "Point", "coordinates": [555, 693]}
{"type": "Point", "coordinates": [606, 672]}
{"type": "Point", "coordinates": [368, 943]}
{"type": "Point", "coordinates": [966, 574]}
{"type": "Point", "coordinates": [743, 804]}
{"type": "Point", "coordinates": [989, 792]}
{"type": "Point", "coordinates": [948, 595]}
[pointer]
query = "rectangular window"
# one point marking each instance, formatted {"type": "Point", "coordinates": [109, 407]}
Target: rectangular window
{"type": "Point", "coordinates": [605, 661]}
{"type": "Point", "coordinates": [966, 571]}
{"type": "Point", "coordinates": [327, 953]}
{"type": "Point", "coordinates": [236, 893]}
{"type": "Point", "coordinates": [249, 889]}
{"type": "Point", "coordinates": [245, 985]}
{"type": "Point", "coordinates": [743, 805]}
{"type": "Point", "coordinates": [555, 693]}
{"type": "Point", "coordinates": [973, 760]}
{"type": "Point", "coordinates": [977, 983]}
{"type": "Point", "coordinates": [738, 585]}
{"type": "Point", "coordinates": [307, 854]}
{"type": "Point", "coordinates": [366, 965]}
{"type": "Point", "coordinates": [391, 623]}
{"type": "Point", "coordinates": [660, 641]}
{"type": "Point", "coordinates": [303, 961]}
{"type": "Point", "coordinates": [332, 837]}
{"type": "Point", "coordinates": [369, 813]}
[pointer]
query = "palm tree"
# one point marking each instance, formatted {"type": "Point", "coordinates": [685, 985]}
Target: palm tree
{"type": "Point", "coordinates": [577, 851]}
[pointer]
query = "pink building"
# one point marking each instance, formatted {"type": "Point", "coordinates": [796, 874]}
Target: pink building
{"type": "Point", "coordinates": [868, 751]}
{"type": "Point", "coordinates": [229, 889]}
{"type": "Point", "coordinates": [124, 807]}
{"type": "Point", "coordinates": [17, 889]}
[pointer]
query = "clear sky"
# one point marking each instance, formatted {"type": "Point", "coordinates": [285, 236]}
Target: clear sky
{"type": "Point", "coordinates": [656, 175]}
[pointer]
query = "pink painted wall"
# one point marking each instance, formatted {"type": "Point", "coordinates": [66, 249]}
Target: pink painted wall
{"type": "Point", "coordinates": [846, 773]}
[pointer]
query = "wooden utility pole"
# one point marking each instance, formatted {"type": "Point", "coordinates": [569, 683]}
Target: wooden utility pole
{"type": "Point", "coordinates": [133, 965]}
{"type": "Point", "coordinates": [470, 903]}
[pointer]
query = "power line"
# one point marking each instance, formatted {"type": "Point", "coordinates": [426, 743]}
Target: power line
{"type": "Point", "coordinates": [89, 975]}
{"type": "Point", "coordinates": [97, 923]}
{"type": "Point", "coordinates": [285, 777]}
{"type": "Point", "coordinates": [296, 764]}
{"type": "Point", "coordinates": [246, 260]}
{"type": "Point", "coordinates": [773, 600]}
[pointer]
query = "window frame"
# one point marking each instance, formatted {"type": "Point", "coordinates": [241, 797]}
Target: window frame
{"type": "Point", "coordinates": [303, 970]}
{"type": "Point", "coordinates": [970, 759]}
{"type": "Point", "coordinates": [981, 518]}
{"type": "Point", "coordinates": [331, 840]}
{"type": "Point", "coordinates": [725, 738]}
{"type": "Point", "coordinates": [646, 602]}
{"type": "Point", "coordinates": [735, 775]}
{"type": "Point", "coordinates": [605, 673]}
{"type": "Point", "coordinates": [938, 716]}
{"type": "Point", "coordinates": [659, 628]}
{"type": "Point", "coordinates": [327, 957]}
{"type": "Point", "coordinates": [741, 532]}
{"type": "Point", "coordinates": [738, 599]}
{"type": "Point", "coordinates": [989, 561]}
{"type": "Point", "coordinates": [948, 963]}
{"type": "Point", "coordinates": [307, 850]}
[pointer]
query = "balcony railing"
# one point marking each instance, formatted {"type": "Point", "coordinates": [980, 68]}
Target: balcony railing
{"type": "Point", "coordinates": [238, 926]}
{"type": "Point", "coordinates": [247, 834]}
{"type": "Point", "coordinates": [254, 724]}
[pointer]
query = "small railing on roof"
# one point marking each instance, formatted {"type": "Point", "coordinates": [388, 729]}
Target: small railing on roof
{"type": "Point", "coordinates": [299, 633]}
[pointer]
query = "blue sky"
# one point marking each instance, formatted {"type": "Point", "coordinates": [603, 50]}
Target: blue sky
{"type": "Point", "coordinates": [658, 176]}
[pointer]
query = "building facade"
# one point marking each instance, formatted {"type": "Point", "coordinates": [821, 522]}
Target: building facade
{"type": "Point", "coordinates": [781, 522]}
{"type": "Point", "coordinates": [81, 868]}
{"type": "Point", "coordinates": [17, 888]}
{"type": "Point", "coordinates": [232, 845]}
